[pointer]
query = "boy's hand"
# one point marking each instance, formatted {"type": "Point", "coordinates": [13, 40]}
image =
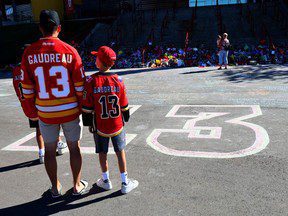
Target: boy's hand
{"type": "Point", "coordinates": [87, 119]}
{"type": "Point", "coordinates": [126, 115]}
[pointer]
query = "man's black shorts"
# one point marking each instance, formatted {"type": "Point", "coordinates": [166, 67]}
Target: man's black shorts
{"type": "Point", "coordinates": [33, 124]}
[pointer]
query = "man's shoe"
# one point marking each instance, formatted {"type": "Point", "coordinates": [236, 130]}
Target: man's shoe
{"type": "Point", "coordinates": [129, 186]}
{"type": "Point", "coordinates": [61, 147]}
{"type": "Point", "coordinates": [105, 184]}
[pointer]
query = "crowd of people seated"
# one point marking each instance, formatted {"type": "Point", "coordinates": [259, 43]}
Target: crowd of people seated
{"type": "Point", "coordinates": [170, 56]}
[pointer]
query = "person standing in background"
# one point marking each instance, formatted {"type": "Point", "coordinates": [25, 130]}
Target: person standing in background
{"type": "Point", "coordinates": [224, 51]}
{"type": "Point", "coordinates": [219, 39]}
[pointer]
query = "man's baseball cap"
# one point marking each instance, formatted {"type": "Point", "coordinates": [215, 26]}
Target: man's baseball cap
{"type": "Point", "coordinates": [106, 55]}
{"type": "Point", "coordinates": [48, 17]}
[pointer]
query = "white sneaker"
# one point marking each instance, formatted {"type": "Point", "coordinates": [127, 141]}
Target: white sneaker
{"type": "Point", "coordinates": [106, 185]}
{"type": "Point", "coordinates": [129, 186]}
{"type": "Point", "coordinates": [61, 147]}
{"type": "Point", "coordinates": [41, 159]}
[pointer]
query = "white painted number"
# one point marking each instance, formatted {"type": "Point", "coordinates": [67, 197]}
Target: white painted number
{"type": "Point", "coordinates": [193, 131]}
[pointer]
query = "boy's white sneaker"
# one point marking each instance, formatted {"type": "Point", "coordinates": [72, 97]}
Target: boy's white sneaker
{"type": "Point", "coordinates": [41, 159]}
{"type": "Point", "coordinates": [129, 186]}
{"type": "Point", "coordinates": [106, 185]}
{"type": "Point", "coordinates": [61, 147]}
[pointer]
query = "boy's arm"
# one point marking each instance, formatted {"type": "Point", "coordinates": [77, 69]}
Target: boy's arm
{"type": "Point", "coordinates": [78, 76]}
{"type": "Point", "coordinates": [27, 90]}
{"type": "Point", "coordinates": [124, 102]}
{"type": "Point", "coordinates": [88, 103]}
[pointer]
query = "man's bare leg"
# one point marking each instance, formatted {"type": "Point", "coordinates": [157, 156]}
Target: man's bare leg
{"type": "Point", "coordinates": [76, 164]}
{"type": "Point", "coordinates": [51, 165]}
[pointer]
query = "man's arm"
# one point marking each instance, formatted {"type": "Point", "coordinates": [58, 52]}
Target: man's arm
{"type": "Point", "coordinates": [28, 90]}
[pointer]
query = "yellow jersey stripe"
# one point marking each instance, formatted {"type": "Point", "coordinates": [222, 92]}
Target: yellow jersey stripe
{"type": "Point", "coordinates": [27, 86]}
{"type": "Point", "coordinates": [109, 135]}
{"type": "Point", "coordinates": [127, 108]}
{"type": "Point", "coordinates": [78, 84]}
{"type": "Point", "coordinates": [29, 96]}
{"type": "Point", "coordinates": [55, 102]}
{"type": "Point", "coordinates": [58, 114]}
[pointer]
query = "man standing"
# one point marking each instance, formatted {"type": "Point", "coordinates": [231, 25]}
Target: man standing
{"type": "Point", "coordinates": [53, 80]}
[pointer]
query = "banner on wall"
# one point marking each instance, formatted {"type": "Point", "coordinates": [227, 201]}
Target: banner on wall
{"type": "Point", "coordinates": [69, 6]}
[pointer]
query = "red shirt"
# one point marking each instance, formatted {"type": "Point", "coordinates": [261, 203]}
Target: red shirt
{"type": "Point", "coordinates": [26, 104]}
{"type": "Point", "coordinates": [53, 75]}
{"type": "Point", "coordinates": [105, 94]}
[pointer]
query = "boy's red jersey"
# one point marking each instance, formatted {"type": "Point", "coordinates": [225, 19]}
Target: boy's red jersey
{"type": "Point", "coordinates": [28, 107]}
{"type": "Point", "coordinates": [105, 94]}
{"type": "Point", "coordinates": [53, 76]}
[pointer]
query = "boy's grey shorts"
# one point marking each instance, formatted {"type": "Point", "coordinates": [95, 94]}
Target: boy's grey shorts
{"type": "Point", "coordinates": [102, 143]}
{"type": "Point", "coordinates": [72, 131]}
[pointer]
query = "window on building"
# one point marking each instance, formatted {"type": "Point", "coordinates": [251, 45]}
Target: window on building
{"type": "Point", "coordinates": [201, 3]}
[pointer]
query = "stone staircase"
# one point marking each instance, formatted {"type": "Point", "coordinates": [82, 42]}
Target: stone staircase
{"type": "Point", "coordinates": [204, 32]}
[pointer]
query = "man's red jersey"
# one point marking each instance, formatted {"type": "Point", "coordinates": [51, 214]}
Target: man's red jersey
{"type": "Point", "coordinates": [105, 94]}
{"type": "Point", "coordinates": [27, 106]}
{"type": "Point", "coordinates": [53, 76]}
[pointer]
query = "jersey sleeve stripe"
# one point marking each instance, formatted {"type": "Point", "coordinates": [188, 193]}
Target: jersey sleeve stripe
{"type": "Point", "coordinates": [124, 108]}
{"type": "Point", "coordinates": [58, 114]}
{"type": "Point", "coordinates": [87, 109]}
{"type": "Point", "coordinates": [57, 108]}
{"type": "Point", "coordinates": [55, 102]}
{"type": "Point", "coordinates": [28, 96]}
{"type": "Point", "coordinates": [78, 84]}
{"type": "Point", "coordinates": [28, 91]}
{"type": "Point", "coordinates": [27, 86]}
{"type": "Point", "coordinates": [79, 89]}
{"type": "Point", "coordinates": [80, 94]}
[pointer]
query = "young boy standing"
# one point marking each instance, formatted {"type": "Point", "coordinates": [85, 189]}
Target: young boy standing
{"type": "Point", "coordinates": [105, 95]}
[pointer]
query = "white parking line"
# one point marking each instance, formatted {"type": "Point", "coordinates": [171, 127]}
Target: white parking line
{"type": "Point", "coordinates": [18, 145]}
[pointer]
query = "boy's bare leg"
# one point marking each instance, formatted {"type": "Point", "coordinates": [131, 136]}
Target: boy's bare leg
{"type": "Point", "coordinates": [103, 162]}
{"type": "Point", "coordinates": [39, 139]}
{"type": "Point", "coordinates": [51, 165]}
{"type": "Point", "coordinates": [76, 164]}
{"type": "Point", "coordinates": [122, 161]}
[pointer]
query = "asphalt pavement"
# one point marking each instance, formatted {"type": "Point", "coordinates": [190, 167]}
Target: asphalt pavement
{"type": "Point", "coordinates": [201, 142]}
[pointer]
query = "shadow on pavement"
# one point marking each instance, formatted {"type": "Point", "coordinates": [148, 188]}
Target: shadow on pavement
{"type": "Point", "coordinates": [129, 71]}
{"type": "Point", "coordinates": [20, 165]}
{"type": "Point", "coordinates": [255, 73]}
{"type": "Point", "coordinates": [46, 205]}
{"type": "Point", "coordinates": [197, 72]}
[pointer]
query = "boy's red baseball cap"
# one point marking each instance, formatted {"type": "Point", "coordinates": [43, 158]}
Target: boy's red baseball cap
{"type": "Point", "coordinates": [106, 55]}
